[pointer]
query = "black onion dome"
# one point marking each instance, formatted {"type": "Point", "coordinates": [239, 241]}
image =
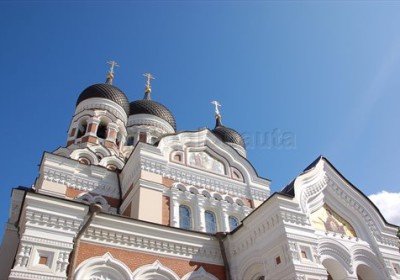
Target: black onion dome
{"type": "Point", "coordinates": [228, 135]}
{"type": "Point", "coordinates": [106, 91]}
{"type": "Point", "coordinates": [148, 106]}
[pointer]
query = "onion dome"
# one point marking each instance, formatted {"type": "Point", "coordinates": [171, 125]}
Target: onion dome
{"type": "Point", "coordinates": [107, 91]}
{"type": "Point", "coordinates": [226, 134]}
{"type": "Point", "coordinates": [150, 107]}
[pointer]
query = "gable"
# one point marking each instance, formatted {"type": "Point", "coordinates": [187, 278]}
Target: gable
{"type": "Point", "coordinates": [203, 151]}
{"type": "Point", "coordinates": [321, 186]}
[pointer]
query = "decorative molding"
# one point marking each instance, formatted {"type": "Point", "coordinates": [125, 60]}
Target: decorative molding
{"type": "Point", "coordinates": [328, 249]}
{"type": "Point", "coordinates": [23, 255]}
{"type": "Point", "coordinates": [102, 104]}
{"type": "Point", "coordinates": [115, 267]}
{"type": "Point", "coordinates": [357, 207]}
{"type": "Point", "coordinates": [77, 182]}
{"type": "Point", "coordinates": [152, 244]}
{"type": "Point", "coordinates": [34, 217]}
{"type": "Point", "coordinates": [296, 218]}
{"type": "Point", "coordinates": [202, 179]}
{"type": "Point", "coordinates": [46, 241]}
{"type": "Point", "coordinates": [150, 120]}
{"type": "Point", "coordinates": [33, 276]}
{"type": "Point", "coordinates": [200, 274]}
{"type": "Point", "coordinates": [154, 269]}
{"type": "Point", "coordinates": [254, 233]}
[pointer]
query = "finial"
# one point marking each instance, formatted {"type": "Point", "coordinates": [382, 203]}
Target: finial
{"type": "Point", "coordinates": [147, 91]}
{"type": "Point", "coordinates": [217, 113]}
{"type": "Point", "coordinates": [110, 75]}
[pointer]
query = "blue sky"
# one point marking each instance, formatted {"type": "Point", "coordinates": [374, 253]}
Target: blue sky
{"type": "Point", "coordinates": [324, 74]}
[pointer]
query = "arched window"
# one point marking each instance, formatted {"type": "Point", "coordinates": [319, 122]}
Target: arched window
{"type": "Point", "coordinates": [82, 129]}
{"type": "Point", "coordinates": [185, 219]}
{"type": "Point", "coordinates": [102, 131]}
{"type": "Point", "coordinates": [233, 223]}
{"type": "Point", "coordinates": [211, 222]}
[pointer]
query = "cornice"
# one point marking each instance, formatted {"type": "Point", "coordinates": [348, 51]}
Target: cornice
{"type": "Point", "coordinates": [46, 241]}
{"type": "Point", "coordinates": [102, 104]}
{"type": "Point", "coordinates": [154, 241]}
{"type": "Point", "coordinates": [150, 120]}
{"type": "Point", "coordinates": [34, 275]}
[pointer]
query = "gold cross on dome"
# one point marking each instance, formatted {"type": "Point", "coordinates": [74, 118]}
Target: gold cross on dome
{"type": "Point", "coordinates": [112, 65]}
{"type": "Point", "coordinates": [216, 104]}
{"type": "Point", "coordinates": [149, 78]}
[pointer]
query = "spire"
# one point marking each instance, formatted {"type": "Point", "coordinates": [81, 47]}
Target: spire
{"type": "Point", "coordinates": [218, 121]}
{"type": "Point", "coordinates": [110, 75]}
{"type": "Point", "coordinates": [147, 91]}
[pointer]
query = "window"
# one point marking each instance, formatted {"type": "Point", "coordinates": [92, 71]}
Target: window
{"type": "Point", "coordinates": [82, 129]}
{"type": "Point", "coordinates": [185, 219]}
{"type": "Point", "coordinates": [102, 131]}
{"type": "Point", "coordinates": [278, 260]}
{"type": "Point", "coordinates": [43, 260]}
{"type": "Point", "coordinates": [211, 223]}
{"type": "Point", "coordinates": [130, 141]}
{"type": "Point", "coordinates": [233, 223]}
{"type": "Point", "coordinates": [304, 254]}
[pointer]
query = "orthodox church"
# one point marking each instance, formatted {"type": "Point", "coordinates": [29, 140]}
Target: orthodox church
{"type": "Point", "coordinates": [130, 197]}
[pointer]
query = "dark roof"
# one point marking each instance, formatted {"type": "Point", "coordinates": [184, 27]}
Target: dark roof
{"type": "Point", "coordinates": [106, 91]}
{"type": "Point", "coordinates": [228, 135]}
{"type": "Point", "coordinates": [289, 189]}
{"type": "Point", "coordinates": [148, 106]}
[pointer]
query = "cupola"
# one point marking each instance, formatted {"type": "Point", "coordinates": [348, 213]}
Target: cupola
{"type": "Point", "coordinates": [226, 134]}
{"type": "Point", "coordinates": [148, 119]}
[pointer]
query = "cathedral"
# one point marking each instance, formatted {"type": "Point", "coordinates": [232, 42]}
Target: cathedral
{"type": "Point", "coordinates": [130, 197]}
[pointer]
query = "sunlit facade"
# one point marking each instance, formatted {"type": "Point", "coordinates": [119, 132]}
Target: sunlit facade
{"type": "Point", "coordinates": [131, 197]}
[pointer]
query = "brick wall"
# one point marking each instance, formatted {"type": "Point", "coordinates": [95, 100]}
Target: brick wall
{"type": "Point", "coordinates": [134, 260]}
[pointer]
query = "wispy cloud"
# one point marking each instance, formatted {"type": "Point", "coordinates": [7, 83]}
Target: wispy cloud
{"type": "Point", "coordinates": [388, 203]}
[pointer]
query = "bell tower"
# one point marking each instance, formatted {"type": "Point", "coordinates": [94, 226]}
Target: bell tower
{"type": "Point", "coordinates": [97, 133]}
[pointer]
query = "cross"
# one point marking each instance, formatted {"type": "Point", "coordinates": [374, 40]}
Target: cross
{"type": "Point", "coordinates": [112, 65]}
{"type": "Point", "coordinates": [149, 77]}
{"type": "Point", "coordinates": [216, 104]}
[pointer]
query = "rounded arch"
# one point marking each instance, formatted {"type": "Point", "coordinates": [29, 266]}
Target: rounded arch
{"type": "Point", "coordinates": [217, 196]}
{"type": "Point", "coordinates": [84, 197]}
{"type": "Point", "coordinates": [200, 274]}
{"type": "Point", "coordinates": [206, 193]}
{"type": "Point", "coordinates": [229, 199]}
{"type": "Point", "coordinates": [252, 270]}
{"type": "Point", "coordinates": [100, 266]}
{"type": "Point", "coordinates": [336, 255]}
{"type": "Point", "coordinates": [367, 264]}
{"type": "Point", "coordinates": [112, 160]}
{"type": "Point", "coordinates": [334, 269]}
{"type": "Point", "coordinates": [155, 271]}
{"type": "Point", "coordinates": [85, 153]}
{"type": "Point", "coordinates": [100, 149]}
{"type": "Point", "coordinates": [82, 125]}
{"type": "Point", "coordinates": [193, 190]}
{"type": "Point", "coordinates": [239, 202]}
{"type": "Point", "coordinates": [180, 187]}
{"type": "Point", "coordinates": [364, 272]}
{"type": "Point", "coordinates": [102, 127]}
